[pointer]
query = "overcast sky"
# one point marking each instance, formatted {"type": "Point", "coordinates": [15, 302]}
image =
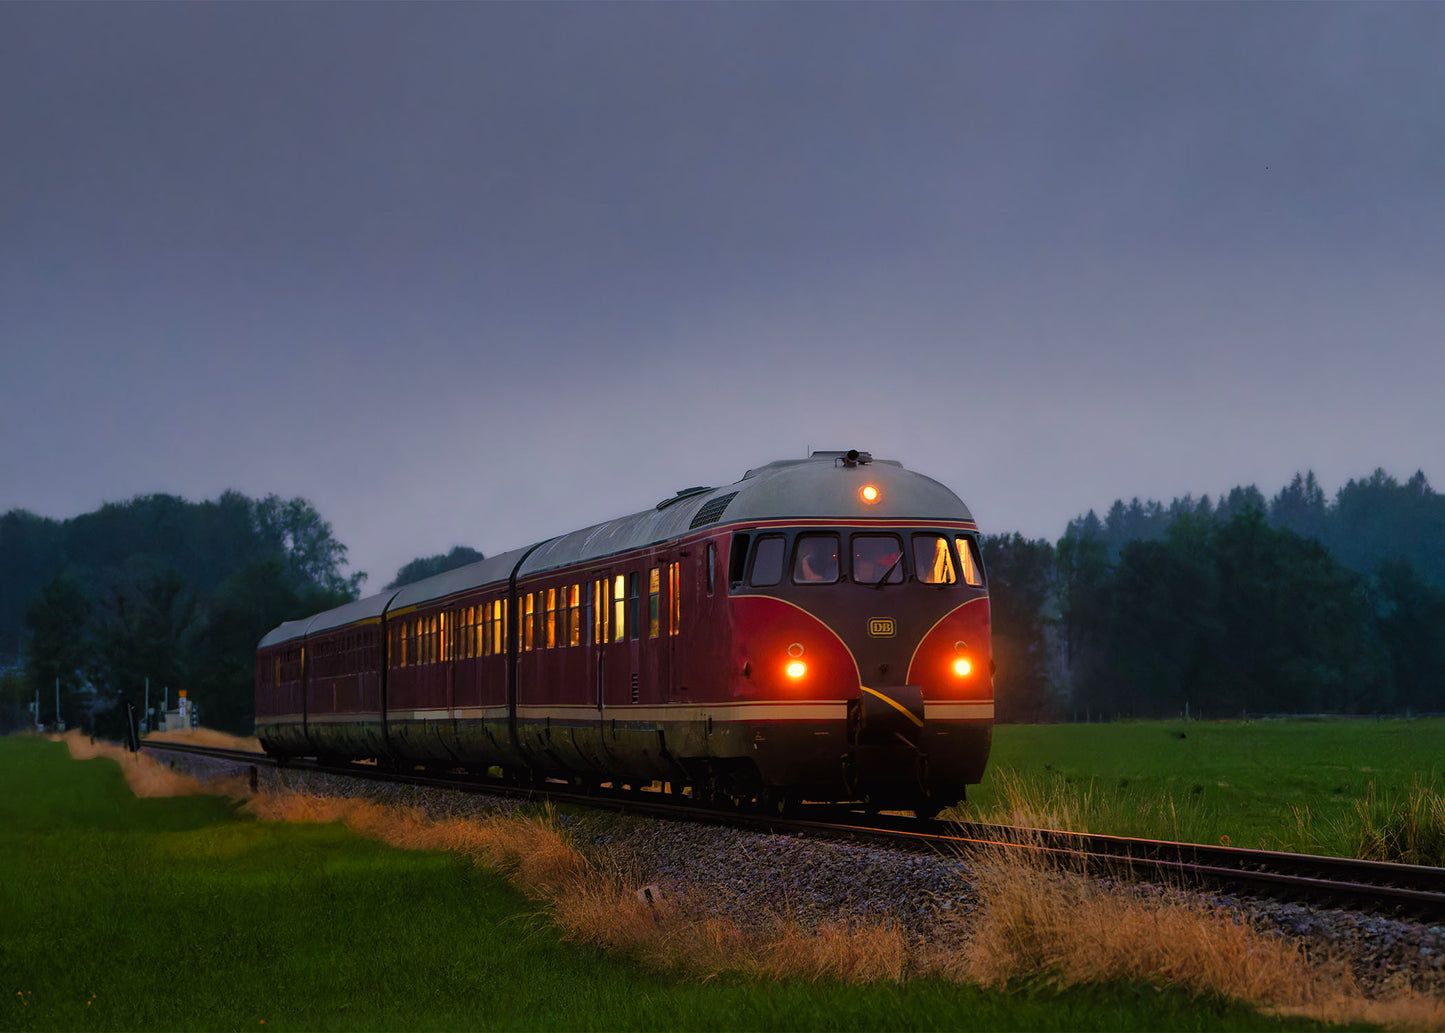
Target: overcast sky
{"type": "Point", "coordinates": [483, 274]}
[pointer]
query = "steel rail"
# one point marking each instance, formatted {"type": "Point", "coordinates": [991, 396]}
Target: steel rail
{"type": "Point", "coordinates": [1413, 890]}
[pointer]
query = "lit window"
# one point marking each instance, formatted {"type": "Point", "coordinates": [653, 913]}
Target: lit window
{"type": "Point", "coordinates": [969, 558]}
{"type": "Point", "coordinates": [527, 623]}
{"type": "Point", "coordinates": [551, 618]}
{"type": "Point", "coordinates": [654, 592]}
{"type": "Point", "coordinates": [933, 560]}
{"type": "Point", "coordinates": [674, 593]}
{"type": "Point", "coordinates": [594, 603]}
{"type": "Point", "coordinates": [619, 608]}
{"type": "Point", "coordinates": [574, 623]}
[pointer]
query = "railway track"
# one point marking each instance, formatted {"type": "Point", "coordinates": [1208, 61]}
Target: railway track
{"type": "Point", "coordinates": [1399, 889]}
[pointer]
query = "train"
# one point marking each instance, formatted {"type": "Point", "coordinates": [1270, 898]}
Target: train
{"type": "Point", "coordinates": [817, 631]}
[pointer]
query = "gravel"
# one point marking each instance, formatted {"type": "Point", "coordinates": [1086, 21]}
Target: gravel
{"type": "Point", "coordinates": [756, 879]}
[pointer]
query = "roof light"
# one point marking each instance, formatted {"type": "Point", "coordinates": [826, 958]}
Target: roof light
{"type": "Point", "coordinates": [869, 494]}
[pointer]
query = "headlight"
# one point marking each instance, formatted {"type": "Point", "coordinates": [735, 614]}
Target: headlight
{"type": "Point", "coordinates": [962, 667]}
{"type": "Point", "coordinates": [797, 669]}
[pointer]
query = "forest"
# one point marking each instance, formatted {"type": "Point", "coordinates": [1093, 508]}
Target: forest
{"type": "Point", "coordinates": [165, 592]}
{"type": "Point", "coordinates": [155, 589]}
{"type": "Point", "coordinates": [1297, 603]}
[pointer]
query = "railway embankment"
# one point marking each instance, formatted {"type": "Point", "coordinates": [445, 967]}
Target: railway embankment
{"type": "Point", "coordinates": [765, 883]}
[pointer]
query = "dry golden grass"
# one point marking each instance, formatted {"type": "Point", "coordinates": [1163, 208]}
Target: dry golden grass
{"type": "Point", "coordinates": [1042, 922]}
{"type": "Point", "coordinates": [1071, 929]}
{"type": "Point", "coordinates": [1036, 922]}
{"type": "Point", "coordinates": [145, 775]}
{"type": "Point", "coordinates": [209, 737]}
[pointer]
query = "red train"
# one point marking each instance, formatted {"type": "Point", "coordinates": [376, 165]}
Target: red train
{"type": "Point", "coordinates": [818, 630]}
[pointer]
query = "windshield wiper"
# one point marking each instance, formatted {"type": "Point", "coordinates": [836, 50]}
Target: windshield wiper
{"type": "Point", "coordinates": [884, 579]}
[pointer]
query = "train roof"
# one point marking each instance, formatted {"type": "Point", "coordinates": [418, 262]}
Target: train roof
{"type": "Point", "coordinates": [825, 485]}
{"type": "Point", "coordinates": [491, 571]}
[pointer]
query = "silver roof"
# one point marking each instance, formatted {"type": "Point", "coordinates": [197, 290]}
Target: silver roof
{"type": "Point", "coordinates": [286, 631]}
{"type": "Point", "coordinates": [490, 571]}
{"type": "Point", "coordinates": [823, 486]}
{"type": "Point", "coordinates": [819, 487]}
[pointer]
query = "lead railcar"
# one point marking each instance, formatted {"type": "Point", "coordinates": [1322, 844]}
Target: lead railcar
{"type": "Point", "coordinates": [818, 630]}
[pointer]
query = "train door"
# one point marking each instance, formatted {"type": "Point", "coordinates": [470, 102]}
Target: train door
{"type": "Point", "coordinates": [659, 641]}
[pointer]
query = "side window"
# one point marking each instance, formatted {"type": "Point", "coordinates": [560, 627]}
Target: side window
{"type": "Point", "coordinates": [767, 562]}
{"type": "Point", "coordinates": [574, 622]}
{"type": "Point", "coordinates": [970, 560]}
{"type": "Point", "coordinates": [878, 558]}
{"type": "Point", "coordinates": [738, 559]}
{"type": "Point", "coordinates": [933, 560]}
{"type": "Point", "coordinates": [654, 602]}
{"type": "Point", "coordinates": [815, 560]}
{"type": "Point", "coordinates": [634, 583]}
{"type": "Point", "coordinates": [711, 567]}
{"type": "Point", "coordinates": [619, 608]}
{"type": "Point", "coordinates": [674, 598]}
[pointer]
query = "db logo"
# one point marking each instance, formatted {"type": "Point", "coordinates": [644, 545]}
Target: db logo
{"type": "Point", "coordinates": [881, 627]}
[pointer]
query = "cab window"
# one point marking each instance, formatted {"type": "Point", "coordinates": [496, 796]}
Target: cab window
{"type": "Point", "coordinates": [877, 559]}
{"type": "Point", "coordinates": [971, 562]}
{"type": "Point", "coordinates": [933, 559]}
{"type": "Point", "coordinates": [815, 559]}
{"type": "Point", "coordinates": [767, 562]}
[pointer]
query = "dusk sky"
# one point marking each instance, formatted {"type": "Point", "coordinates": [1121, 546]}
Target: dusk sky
{"type": "Point", "coordinates": [482, 274]}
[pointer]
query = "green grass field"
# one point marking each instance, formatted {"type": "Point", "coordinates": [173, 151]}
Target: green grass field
{"type": "Point", "coordinates": [1296, 785]}
{"type": "Point", "coordinates": [181, 913]}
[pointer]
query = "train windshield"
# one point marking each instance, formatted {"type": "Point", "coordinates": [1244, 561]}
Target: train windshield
{"type": "Point", "coordinates": [933, 559]}
{"type": "Point", "coordinates": [972, 563]}
{"type": "Point", "coordinates": [877, 559]}
{"type": "Point", "coordinates": [815, 561]}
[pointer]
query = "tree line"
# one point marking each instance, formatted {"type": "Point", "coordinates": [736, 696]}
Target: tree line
{"type": "Point", "coordinates": [1295, 604]}
{"type": "Point", "coordinates": [157, 589]}
{"type": "Point", "coordinates": [165, 591]}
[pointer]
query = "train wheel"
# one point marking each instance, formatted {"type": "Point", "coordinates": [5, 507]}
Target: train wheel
{"type": "Point", "coordinates": [775, 801]}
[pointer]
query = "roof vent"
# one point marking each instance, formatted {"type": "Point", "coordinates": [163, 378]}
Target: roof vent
{"type": "Point", "coordinates": [685, 493]}
{"type": "Point", "coordinates": [711, 511]}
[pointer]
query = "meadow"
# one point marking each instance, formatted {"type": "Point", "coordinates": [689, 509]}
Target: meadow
{"type": "Point", "coordinates": [187, 912]}
{"type": "Point", "coordinates": [1347, 787]}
